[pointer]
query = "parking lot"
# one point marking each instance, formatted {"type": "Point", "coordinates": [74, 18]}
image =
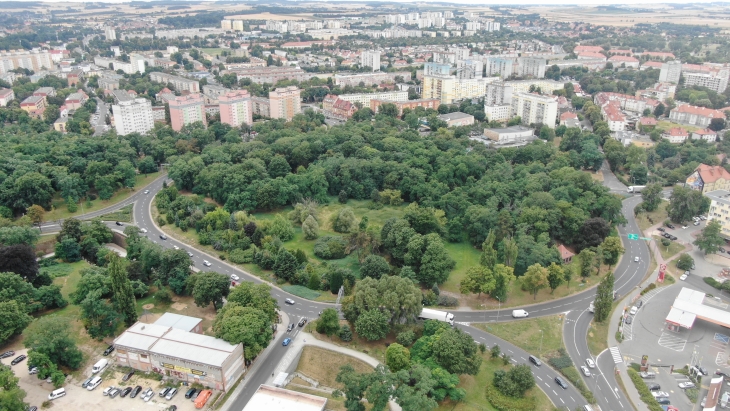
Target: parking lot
{"type": "Point", "coordinates": [78, 398]}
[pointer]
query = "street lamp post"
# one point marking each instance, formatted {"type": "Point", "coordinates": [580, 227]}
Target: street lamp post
{"type": "Point", "coordinates": [499, 310]}
{"type": "Point", "coordinates": [541, 335]}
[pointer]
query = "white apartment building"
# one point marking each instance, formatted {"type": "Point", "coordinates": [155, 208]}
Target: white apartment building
{"type": "Point", "coordinates": [498, 93]}
{"type": "Point", "coordinates": [535, 108]}
{"type": "Point", "coordinates": [370, 59]}
{"type": "Point", "coordinates": [436, 69]}
{"type": "Point", "coordinates": [179, 83]}
{"type": "Point", "coordinates": [500, 66]}
{"type": "Point", "coordinates": [110, 33]}
{"type": "Point", "coordinates": [137, 63]}
{"type": "Point", "coordinates": [716, 81]}
{"type": "Point", "coordinates": [448, 88]}
{"type": "Point", "coordinates": [670, 71]}
{"type": "Point", "coordinates": [498, 112]}
{"type": "Point", "coordinates": [546, 86]}
{"type": "Point", "coordinates": [364, 98]}
{"type": "Point", "coordinates": [473, 25]}
{"type": "Point", "coordinates": [531, 67]}
{"type": "Point", "coordinates": [36, 60]}
{"type": "Point", "coordinates": [466, 69]}
{"type": "Point", "coordinates": [237, 25]}
{"type": "Point", "coordinates": [227, 24]}
{"type": "Point", "coordinates": [461, 53]}
{"type": "Point", "coordinates": [133, 116]}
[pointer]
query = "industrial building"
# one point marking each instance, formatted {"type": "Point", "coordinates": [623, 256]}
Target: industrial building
{"type": "Point", "coordinates": [269, 398]}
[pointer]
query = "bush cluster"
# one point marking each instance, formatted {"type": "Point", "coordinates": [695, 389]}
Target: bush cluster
{"type": "Point", "coordinates": [644, 391]}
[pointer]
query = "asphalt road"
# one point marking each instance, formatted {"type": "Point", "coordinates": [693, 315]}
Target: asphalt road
{"type": "Point", "coordinates": [100, 123]}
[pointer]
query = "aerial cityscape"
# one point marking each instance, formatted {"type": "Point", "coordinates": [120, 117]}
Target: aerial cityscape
{"type": "Point", "coordinates": [364, 206]}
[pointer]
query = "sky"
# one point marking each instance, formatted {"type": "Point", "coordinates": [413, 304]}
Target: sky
{"type": "Point", "coordinates": [635, 3]}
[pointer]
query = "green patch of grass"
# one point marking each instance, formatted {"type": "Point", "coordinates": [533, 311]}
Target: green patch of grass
{"type": "Point", "coordinates": [598, 335]}
{"type": "Point", "coordinates": [60, 210]}
{"type": "Point", "coordinates": [58, 270]}
{"type": "Point", "coordinates": [657, 216]}
{"type": "Point", "coordinates": [526, 334]}
{"type": "Point", "coordinates": [124, 214]}
{"type": "Point", "coordinates": [673, 249]}
{"type": "Point", "coordinates": [666, 125]}
{"type": "Point", "coordinates": [70, 281]}
{"type": "Point", "coordinates": [301, 291]}
{"type": "Point", "coordinates": [465, 256]}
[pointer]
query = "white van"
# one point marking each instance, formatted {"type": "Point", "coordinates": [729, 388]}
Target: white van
{"type": "Point", "coordinates": [519, 314]}
{"type": "Point", "coordinates": [99, 366]}
{"type": "Point", "coordinates": [94, 383]}
{"type": "Point", "coordinates": [57, 394]}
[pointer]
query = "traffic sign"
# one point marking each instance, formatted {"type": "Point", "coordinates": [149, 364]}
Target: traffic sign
{"type": "Point", "coordinates": [633, 236]}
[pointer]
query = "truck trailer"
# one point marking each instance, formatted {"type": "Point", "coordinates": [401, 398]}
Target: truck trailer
{"type": "Point", "coordinates": [635, 189]}
{"type": "Point", "coordinates": [429, 314]}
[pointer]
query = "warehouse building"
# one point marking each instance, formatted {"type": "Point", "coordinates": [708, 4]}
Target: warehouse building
{"type": "Point", "coordinates": [269, 398]}
{"type": "Point", "coordinates": [172, 347]}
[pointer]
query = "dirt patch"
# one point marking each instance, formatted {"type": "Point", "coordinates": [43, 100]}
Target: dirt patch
{"type": "Point", "coordinates": [179, 306]}
{"type": "Point", "coordinates": [323, 365]}
{"type": "Point", "coordinates": [148, 306]}
{"type": "Point", "coordinates": [149, 318]}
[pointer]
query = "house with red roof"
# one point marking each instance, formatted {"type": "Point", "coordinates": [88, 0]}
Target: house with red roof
{"type": "Point", "coordinates": [335, 107]}
{"type": "Point", "coordinates": [626, 61]}
{"type": "Point", "coordinates": [708, 178]}
{"type": "Point", "coordinates": [676, 135]}
{"type": "Point", "coordinates": [589, 49]}
{"type": "Point", "coordinates": [651, 64]}
{"type": "Point", "coordinates": [591, 55]}
{"type": "Point", "coordinates": [565, 254]}
{"type": "Point", "coordinates": [705, 134]}
{"type": "Point", "coordinates": [646, 123]}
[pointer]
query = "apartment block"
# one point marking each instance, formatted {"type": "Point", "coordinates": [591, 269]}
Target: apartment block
{"type": "Point", "coordinates": [498, 112]}
{"type": "Point", "coordinates": [720, 210]}
{"type": "Point", "coordinates": [110, 33]}
{"type": "Point", "coordinates": [335, 107]}
{"type": "Point", "coordinates": [285, 102]}
{"type": "Point", "coordinates": [187, 110]}
{"type": "Point", "coordinates": [370, 59]}
{"type": "Point", "coordinates": [695, 116]}
{"type": "Point", "coordinates": [546, 86]}
{"type": "Point", "coordinates": [36, 60]}
{"type": "Point", "coordinates": [236, 108]}
{"type": "Point", "coordinates": [468, 69]}
{"type": "Point", "coordinates": [354, 80]}
{"type": "Point", "coordinates": [708, 178]}
{"type": "Point", "coordinates": [498, 93]}
{"type": "Point", "coordinates": [226, 25]}
{"type": "Point", "coordinates": [500, 66]}
{"type": "Point", "coordinates": [365, 98]}
{"type": "Point", "coordinates": [675, 135]}
{"type": "Point", "coordinates": [6, 96]}
{"type": "Point", "coordinates": [34, 106]}
{"type": "Point", "coordinates": [531, 67]}
{"type": "Point", "coordinates": [133, 116]}
{"type": "Point", "coordinates": [426, 103]}
{"type": "Point", "coordinates": [179, 83]}
{"type": "Point", "coordinates": [272, 74]}
{"type": "Point", "coordinates": [260, 106]}
{"type": "Point", "coordinates": [716, 81]}
{"type": "Point", "coordinates": [436, 69]}
{"type": "Point", "coordinates": [448, 88]}
{"type": "Point", "coordinates": [534, 108]}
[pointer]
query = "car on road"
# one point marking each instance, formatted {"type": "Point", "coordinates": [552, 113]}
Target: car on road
{"type": "Point", "coordinates": [172, 408]}
{"type": "Point", "coordinates": [33, 408]}
{"type": "Point", "coordinates": [18, 359]}
{"type": "Point", "coordinates": [135, 391]}
{"type": "Point", "coordinates": [636, 259]}
{"type": "Point", "coordinates": [234, 277]}
{"type": "Point", "coordinates": [661, 229]}
{"type": "Point", "coordinates": [704, 400]}
{"type": "Point", "coordinates": [684, 276]}
{"type": "Point", "coordinates": [590, 363]}
{"type": "Point", "coordinates": [128, 375]}
{"type": "Point", "coordinates": [289, 301]}
{"type": "Point", "coordinates": [114, 392]}
{"type": "Point", "coordinates": [147, 395]}
{"type": "Point", "coordinates": [722, 374]}
{"type": "Point", "coordinates": [33, 370]}
{"type": "Point", "coordinates": [175, 247]}
{"type": "Point", "coordinates": [146, 191]}
{"type": "Point", "coordinates": [585, 370]}
{"type": "Point", "coordinates": [684, 227]}
{"type": "Point", "coordinates": [118, 223]}
{"type": "Point", "coordinates": [190, 254]}
{"type": "Point", "coordinates": [125, 392]}
{"type": "Point", "coordinates": [191, 392]}
{"type": "Point", "coordinates": [654, 387]}
{"type": "Point", "coordinates": [722, 250]}
{"type": "Point", "coordinates": [109, 350]}
{"type": "Point", "coordinates": [670, 225]}
{"type": "Point", "coordinates": [286, 342]}
{"type": "Point", "coordinates": [659, 394]}
{"type": "Point", "coordinates": [561, 383]}
{"type": "Point", "coordinates": [634, 310]}
{"type": "Point", "coordinates": [696, 223]}
{"type": "Point", "coordinates": [628, 320]}
{"type": "Point", "coordinates": [673, 237]}
{"type": "Point", "coordinates": [666, 235]}
{"type": "Point", "coordinates": [206, 263]}
{"type": "Point", "coordinates": [664, 401]}
{"type": "Point", "coordinates": [640, 303]}
{"type": "Point", "coordinates": [163, 237]}
{"type": "Point", "coordinates": [702, 217]}
{"type": "Point", "coordinates": [143, 230]}
{"type": "Point", "coordinates": [519, 314]}
{"type": "Point", "coordinates": [7, 354]}
{"type": "Point", "coordinates": [302, 322]}
{"type": "Point", "coordinates": [290, 327]}
{"type": "Point", "coordinates": [647, 375]}
{"type": "Point", "coordinates": [695, 219]}
{"type": "Point", "coordinates": [686, 384]}
{"type": "Point", "coordinates": [535, 360]}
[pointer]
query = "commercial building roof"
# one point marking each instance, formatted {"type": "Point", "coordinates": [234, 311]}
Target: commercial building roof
{"type": "Point", "coordinates": [269, 398]}
{"type": "Point", "coordinates": [454, 116]}
{"type": "Point", "coordinates": [689, 306]}
{"type": "Point", "coordinates": [180, 322]}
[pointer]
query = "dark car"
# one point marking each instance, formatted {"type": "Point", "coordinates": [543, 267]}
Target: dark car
{"type": "Point", "coordinates": [163, 237]}
{"type": "Point", "coordinates": [666, 235]}
{"type": "Point", "coordinates": [660, 228]}
{"type": "Point", "coordinates": [109, 350]}
{"type": "Point", "coordinates": [302, 322]}
{"type": "Point", "coordinates": [125, 392]}
{"type": "Point", "coordinates": [663, 400]}
{"type": "Point", "coordinates": [172, 408]}
{"type": "Point", "coordinates": [722, 250]}
{"type": "Point", "coordinates": [722, 373]}
{"type": "Point", "coordinates": [7, 354]}
{"type": "Point", "coordinates": [18, 359]}
{"type": "Point", "coordinates": [628, 320]}
{"type": "Point", "coordinates": [561, 383]}
{"type": "Point", "coordinates": [128, 375]}
{"type": "Point", "coordinates": [118, 223]}
{"type": "Point", "coordinates": [672, 237]}
{"type": "Point", "coordinates": [135, 391]}
{"type": "Point", "coordinates": [654, 387]}
{"type": "Point", "coordinates": [639, 303]}
{"type": "Point", "coordinates": [670, 226]}
{"type": "Point", "coordinates": [33, 408]}
{"type": "Point", "coordinates": [535, 360]}
{"type": "Point", "coordinates": [290, 327]}
{"type": "Point", "coordinates": [190, 393]}
{"type": "Point", "coordinates": [86, 382]}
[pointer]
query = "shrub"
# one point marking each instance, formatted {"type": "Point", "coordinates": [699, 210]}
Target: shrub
{"type": "Point", "coordinates": [447, 301]}
{"type": "Point", "coordinates": [666, 242]}
{"type": "Point", "coordinates": [345, 333]}
{"type": "Point", "coordinates": [429, 298]}
{"type": "Point", "coordinates": [163, 295]}
{"type": "Point", "coordinates": [649, 288]}
{"type": "Point", "coordinates": [330, 248]}
{"type": "Point", "coordinates": [405, 338]}
{"type": "Point", "coordinates": [505, 403]}
{"type": "Point", "coordinates": [692, 394]}
{"type": "Point", "coordinates": [712, 282]}
{"type": "Point", "coordinates": [237, 256]}
{"type": "Point", "coordinates": [644, 391]}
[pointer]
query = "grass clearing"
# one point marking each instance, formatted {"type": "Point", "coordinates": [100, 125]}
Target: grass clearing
{"type": "Point", "coordinates": [670, 251]}
{"type": "Point", "coordinates": [657, 216]}
{"type": "Point", "coordinates": [666, 125]}
{"type": "Point", "coordinates": [59, 270]}
{"type": "Point", "coordinates": [526, 334]}
{"type": "Point", "coordinates": [60, 211]}
{"type": "Point", "coordinates": [124, 214]}
{"type": "Point", "coordinates": [598, 335]}
{"type": "Point", "coordinates": [301, 291]}
{"type": "Point", "coordinates": [323, 365]}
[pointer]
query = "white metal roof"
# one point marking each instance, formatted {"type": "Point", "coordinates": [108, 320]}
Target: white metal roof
{"type": "Point", "coordinates": [135, 341]}
{"type": "Point", "coordinates": [189, 352]}
{"type": "Point", "coordinates": [269, 398]}
{"type": "Point", "coordinates": [680, 318]}
{"type": "Point", "coordinates": [199, 340]}
{"type": "Point", "coordinates": [688, 306]}
{"type": "Point", "coordinates": [181, 322]}
{"type": "Point", "coordinates": [693, 296]}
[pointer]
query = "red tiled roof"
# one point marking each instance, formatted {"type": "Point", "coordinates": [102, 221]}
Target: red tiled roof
{"type": "Point", "coordinates": [648, 121]}
{"type": "Point", "coordinates": [591, 55]}
{"type": "Point", "coordinates": [653, 64]}
{"type": "Point", "coordinates": [700, 111]}
{"type": "Point", "coordinates": [626, 59]}
{"type": "Point", "coordinates": [705, 132]}
{"type": "Point", "coordinates": [592, 49]}
{"type": "Point", "coordinates": [567, 115]}
{"type": "Point", "coordinates": [710, 174]}
{"type": "Point", "coordinates": [564, 252]}
{"type": "Point", "coordinates": [662, 54]}
{"type": "Point", "coordinates": [676, 131]}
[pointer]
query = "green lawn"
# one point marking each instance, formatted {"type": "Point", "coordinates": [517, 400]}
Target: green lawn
{"type": "Point", "coordinates": [526, 334]}
{"type": "Point", "coordinates": [668, 252]}
{"type": "Point", "coordinates": [124, 214]}
{"type": "Point", "coordinates": [666, 125]}
{"type": "Point", "coordinates": [657, 216]}
{"type": "Point", "coordinates": [214, 51]}
{"type": "Point", "coordinates": [60, 210]}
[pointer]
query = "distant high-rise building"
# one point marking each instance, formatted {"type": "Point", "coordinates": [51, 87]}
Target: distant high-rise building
{"type": "Point", "coordinates": [178, 83]}
{"type": "Point", "coordinates": [436, 69]}
{"type": "Point", "coordinates": [531, 67]}
{"type": "Point", "coordinates": [237, 25]}
{"type": "Point", "coordinates": [500, 66]}
{"type": "Point", "coordinates": [29, 59]}
{"type": "Point", "coordinates": [186, 110]}
{"type": "Point", "coordinates": [138, 62]}
{"type": "Point", "coordinates": [285, 102]}
{"type": "Point", "coordinates": [110, 33]}
{"type": "Point", "coordinates": [133, 116]}
{"type": "Point", "coordinates": [670, 71]}
{"type": "Point", "coordinates": [469, 69]}
{"type": "Point", "coordinates": [534, 108]}
{"type": "Point", "coordinates": [226, 25]}
{"type": "Point", "coordinates": [370, 59]}
{"type": "Point", "coordinates": [236, 108]}
{"type": "Point", "coordinates": [498, 93]}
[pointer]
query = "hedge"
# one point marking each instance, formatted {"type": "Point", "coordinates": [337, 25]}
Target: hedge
{"type": "Point", "coordinates": [644, 391]}
{"type": "Point", "coordinates": [504, 403]}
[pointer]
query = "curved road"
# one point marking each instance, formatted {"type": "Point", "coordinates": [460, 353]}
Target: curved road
{"type": "Point", "coordinates": [628, 273]}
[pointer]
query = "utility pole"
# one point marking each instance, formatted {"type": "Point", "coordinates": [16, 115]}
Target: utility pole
{"type": "Point", "coordinates": [541, 335]}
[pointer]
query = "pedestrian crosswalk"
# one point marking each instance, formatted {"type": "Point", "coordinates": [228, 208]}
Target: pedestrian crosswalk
{"type": "Point", "coordinates": [616, 354]}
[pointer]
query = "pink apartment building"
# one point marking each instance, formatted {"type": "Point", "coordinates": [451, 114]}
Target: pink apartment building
{"type": "Point", "coordinates": [186, 110]}
{"type": "Point", "coordinates": [236, 108]}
